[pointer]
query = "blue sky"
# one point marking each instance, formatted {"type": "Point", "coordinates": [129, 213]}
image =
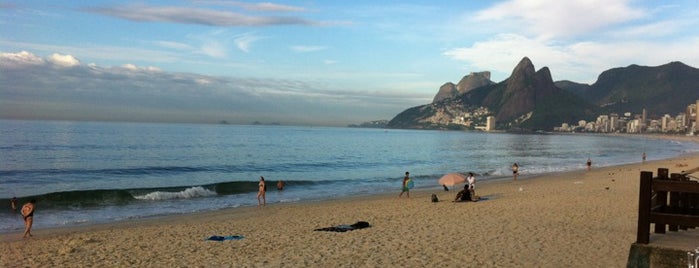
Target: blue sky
{"type": "Point", "coordinates": [308, 62]}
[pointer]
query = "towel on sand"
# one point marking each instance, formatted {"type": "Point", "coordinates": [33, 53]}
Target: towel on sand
{"type": "Point", "coordinates": [345, 228]}
{"type": "Point", "coordinates": [221, 238]}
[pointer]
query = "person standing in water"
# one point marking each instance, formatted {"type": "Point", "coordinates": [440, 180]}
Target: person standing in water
{"type": "Point", "coordinates": [13, 204]}
{"type": "Point", "coordinates": [28, 214]}
{"type": "Point", "coordinates": [589, 164]}
{"type": "Point", "coordinates": [405, 189]}
{"type": "Point", "coordinates": [262, 188]}
{"type": "Point", "coordinates": [280, 185]}
{"type": "Point", "coordinates": [515, 171]}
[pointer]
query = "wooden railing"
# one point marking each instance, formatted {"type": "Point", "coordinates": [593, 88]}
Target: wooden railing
{"type": "Point", "coordinates": [669, 202]}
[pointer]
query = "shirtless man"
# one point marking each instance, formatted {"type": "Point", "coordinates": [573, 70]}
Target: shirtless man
{"type": "Point", "coordinates": [28, 214]}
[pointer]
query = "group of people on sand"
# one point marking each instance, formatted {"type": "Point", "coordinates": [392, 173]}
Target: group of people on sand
{"type": "Point", "coordinates": [27, 212]}
{"type": "Point", "coordinates": [262, 189]}
{"type": "Point", "coordinates": [469, 191]}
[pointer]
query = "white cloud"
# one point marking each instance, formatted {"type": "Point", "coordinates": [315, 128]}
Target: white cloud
{"type": "Point", "coordinates": [189, 15]}
{"type": "Point", "coordinates": [134, 68]}
{"type": "Point", "coordinates": [303, 49]}
{"type": "Point", "coordinates": [579, 61]}
{"type": "Point", "coordinates": [63, 60]}
{"type": "Point", "coordinates": [265, 6]}
{"type": "Point", "coordinates": [550, 18]}
{"type": "Point", "coordinates": [214, 49]}
{"type": "Point", "coordinates": [173, 45]}
{"type": "Point", "coordinates": [20, 58]}
{"type": "Point", "coordinates": [244, 42]}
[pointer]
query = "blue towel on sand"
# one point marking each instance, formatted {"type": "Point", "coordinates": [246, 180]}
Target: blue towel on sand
{"type": "Point", "coordinates": [222, 238]}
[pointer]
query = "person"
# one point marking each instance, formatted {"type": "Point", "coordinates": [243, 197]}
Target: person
{"type": "Point", "coordinates": [515, 171]}
{"type": "Point", "coordinates": [644, 156]}
{"type": "Point", "coordinates": [261, 192]}
{"type": "Point", "coordinates": [446, 189]}
{"type": "Point", "coordinates": [280, 185]}
{"type": "Point", "coordinates": [463, 195]}
{"type": "Point", "coordinates": [28, 214]}
{"type": "Point", "coordinates": [13, 204]}
{"type": "Point", "coordinates": [471, 184]}
{"type": "Point", "coordinates": [589, 163]}
{"type": "Point", "coordinates": [405, 189]}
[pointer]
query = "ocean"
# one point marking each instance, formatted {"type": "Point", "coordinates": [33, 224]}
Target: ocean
{"type": "Point", "coordinates": [100, 172]}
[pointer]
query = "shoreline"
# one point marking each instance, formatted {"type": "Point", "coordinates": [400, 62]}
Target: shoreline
{"type": "Point", "coordinates": [537, 221]}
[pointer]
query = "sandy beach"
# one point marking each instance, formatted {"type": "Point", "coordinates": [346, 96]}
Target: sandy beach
{"type": "Point", "coordinates": [573, 219]}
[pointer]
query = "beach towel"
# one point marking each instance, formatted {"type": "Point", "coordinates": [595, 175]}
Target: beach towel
{"type": "Point", "coordinates": [222, 238]}
{"type": "Point", "coordinates": [345, 228]}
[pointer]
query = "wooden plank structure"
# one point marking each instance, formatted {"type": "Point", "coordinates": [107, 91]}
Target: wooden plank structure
{"type": "Point", "coordinates": [669, 202]}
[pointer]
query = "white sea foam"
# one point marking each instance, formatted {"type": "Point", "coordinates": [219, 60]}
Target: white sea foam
{"type": "Point", "coordinates": [192, 192]}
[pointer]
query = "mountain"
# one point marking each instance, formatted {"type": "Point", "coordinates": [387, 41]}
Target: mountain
{"type": "Point", "coordinates": [467, 83]}
{"type": "Point", "coordinates": [664, 89]}
{"type": "Point", "coordinates": [528, 99]}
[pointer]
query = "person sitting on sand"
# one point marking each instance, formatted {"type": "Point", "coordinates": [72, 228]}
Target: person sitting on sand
{"type": "Point", "coordinates": [463, 195]}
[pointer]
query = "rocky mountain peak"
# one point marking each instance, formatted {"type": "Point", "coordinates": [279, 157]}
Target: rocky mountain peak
{"type": "Point", "coordinates": [524, 67]}
{"type": "Point", "coordinates": [467, 83]}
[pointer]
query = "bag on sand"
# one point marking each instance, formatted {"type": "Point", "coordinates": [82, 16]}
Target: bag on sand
{"type": "Point", "coordinates": [434, 198]}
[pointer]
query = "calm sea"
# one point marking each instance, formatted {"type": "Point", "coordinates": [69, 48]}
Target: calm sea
{"type": "Point", "coordinates": [93, 172]}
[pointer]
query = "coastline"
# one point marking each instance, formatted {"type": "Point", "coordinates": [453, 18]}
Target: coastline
{"type": "Point", "coordinates": [575, 219]}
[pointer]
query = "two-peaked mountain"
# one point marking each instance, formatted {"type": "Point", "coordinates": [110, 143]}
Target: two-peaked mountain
{"type": "Point", "coordinates": [530, 100]}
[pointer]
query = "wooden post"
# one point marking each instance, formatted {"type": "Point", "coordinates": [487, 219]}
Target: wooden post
{"type": "Point", "coordinates": [661, 199]}
{"type": "Point", "coordinates": [644, 195]}
{"type": "Point", "coordinates": [674, 203]}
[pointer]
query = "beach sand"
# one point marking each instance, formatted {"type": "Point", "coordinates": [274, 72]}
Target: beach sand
{"type": "Point", "coordinates": [573, 219]}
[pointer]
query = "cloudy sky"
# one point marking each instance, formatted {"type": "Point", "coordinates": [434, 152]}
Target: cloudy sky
{"type": "Point", "coordinates": [308, 62]}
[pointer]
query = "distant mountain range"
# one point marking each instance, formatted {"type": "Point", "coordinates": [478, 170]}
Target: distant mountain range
{"type": "Point", "coordinates": [529, 100]}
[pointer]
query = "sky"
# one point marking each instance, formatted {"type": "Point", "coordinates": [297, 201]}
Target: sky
{"type": "Point", "coordinates": [330, 63]}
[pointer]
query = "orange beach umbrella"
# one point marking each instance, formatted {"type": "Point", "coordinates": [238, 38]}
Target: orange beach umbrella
{"type": "Point", "coordinates": [452, 179]}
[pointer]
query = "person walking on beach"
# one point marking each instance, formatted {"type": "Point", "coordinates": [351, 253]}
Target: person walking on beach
{"type": "Point", "coordinates": [515, 171]}
{"type": "Point", "coordinates": [261, 192]}
{"type": "Point", "coordinates": [643, 156]}
{"type": "Point", "coordinates": [28, 214]}
{"type": "Point", "coordinates": [589, 164]}
{"type": "Point", "coordinates": [405, 189]}
{"type": "Point", "coordinates": [13, 204]}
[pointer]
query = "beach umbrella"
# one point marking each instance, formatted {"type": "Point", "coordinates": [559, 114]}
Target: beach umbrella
{"type": "Point", "coordinates": [452, 179]}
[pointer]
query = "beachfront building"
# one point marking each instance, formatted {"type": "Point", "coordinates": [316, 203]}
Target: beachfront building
{"type": "Point", "coordinates": [685, 122]}
{"type": "Point", "coordinates": [603, 124]}
{"type": "Point", "coordinates": [633, 126]}
{"type": "Point", "coordinates": [490, 123]}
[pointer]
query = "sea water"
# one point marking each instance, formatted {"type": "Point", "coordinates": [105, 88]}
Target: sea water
{"type": "Point", "coordinates": [96, 172]}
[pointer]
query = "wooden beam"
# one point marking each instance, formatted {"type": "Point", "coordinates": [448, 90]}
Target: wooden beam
{"type": "Point", "coordinates": [676, 186]}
